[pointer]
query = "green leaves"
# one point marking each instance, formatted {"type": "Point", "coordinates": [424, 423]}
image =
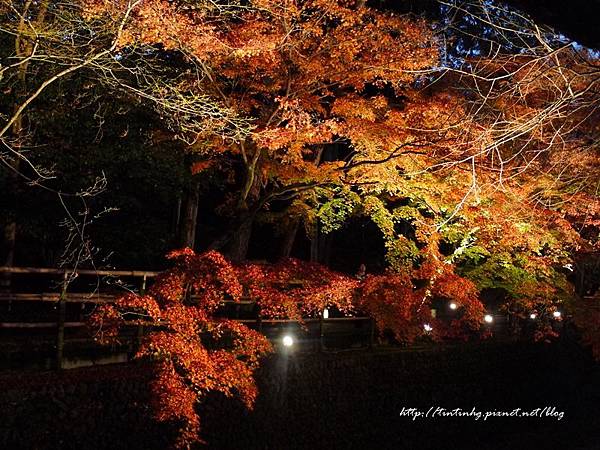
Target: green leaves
{"type": "Point", "coordinates": [401, 254]}
{"type": "Point", "coordinates": [333, 213]}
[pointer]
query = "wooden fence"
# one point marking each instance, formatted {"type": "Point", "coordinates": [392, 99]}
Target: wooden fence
{"type": "Point", "coordinates": [62, 298]}
{"type": "Point", "coordinates": [142, 278]}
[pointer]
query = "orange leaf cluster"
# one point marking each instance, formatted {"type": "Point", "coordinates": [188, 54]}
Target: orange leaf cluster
{"type": "Point", "coordinates": [198, 353]}
{"type": "Point", "coordinates": [180, 307]}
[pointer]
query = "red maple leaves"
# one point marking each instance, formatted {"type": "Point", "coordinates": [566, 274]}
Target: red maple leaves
{"type": "Point", "coordinates": [197, 352]}
{"type": "Point", "coordinates": [180, 307]}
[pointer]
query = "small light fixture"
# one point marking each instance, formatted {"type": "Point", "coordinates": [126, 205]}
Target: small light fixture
{"type": "Point", "coordinates": [453, 306]}
{"type": "Point", "coordinates": [533, 316]}
{"type": "Point", "coordinates": [488, 318]}
{"type": "Point", "coordinates": [427, 327]}
{"type": "Point", "coordinates": [288, 340]}
{"type": "Point", "coordinates": [325, 313]}
{"type": "Point", "coordinates": [556, 314]}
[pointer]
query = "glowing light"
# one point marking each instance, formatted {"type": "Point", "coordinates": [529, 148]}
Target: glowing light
{"type": "Point", "coordinates": [532, 316]}
{"type": "Point", "coordinates": [427, 327]}
{"type": "Point", "coordinates": [325, 313]}
{"type": "Point", "coordinates": [288, 340]}
{"type": "Point", "coordinates": [453, 305]}
{"type": "Point", "coordinates": [556, 314]}
{"type": "Point", "coordinates": [488, 318]}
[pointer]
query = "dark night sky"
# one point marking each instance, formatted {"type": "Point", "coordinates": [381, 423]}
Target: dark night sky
{"type": "Point", "coordinates": [578, 19]}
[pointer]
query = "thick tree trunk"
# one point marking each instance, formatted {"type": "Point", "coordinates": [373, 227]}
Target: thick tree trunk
{"type": "Point", "coordinates": [325, 243]}
{"type": "Point", "coordinates": [187, 234]}
{"type": "Point", "coordinates": [320, 246]}
{"type": "Point", "coordinates": [314, 233]}
{"type": "Point", "coordinates": [289, 237]}
{"type": "Point", "coordinates": [240, 242]}
{"type": "Point", "coordinates": [237, 250]}
{"type": "Point", "coordinates": [314, 243]}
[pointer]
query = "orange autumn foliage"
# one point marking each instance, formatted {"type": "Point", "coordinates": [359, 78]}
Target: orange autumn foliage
{"type": "Point", "coordinates": [300, 70]}
{"type": "Point", "coordinates": [197, 353]}
{"type": "Point", "coordinates": [187, 367]}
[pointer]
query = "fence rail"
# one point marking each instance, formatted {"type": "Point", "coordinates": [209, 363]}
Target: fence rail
{"type": "Point", "coordinates": [98, 272]}
{"type": "Point", "coordinates": [62, 298]}
{"type": "Point", "coordinates": [54, 297]}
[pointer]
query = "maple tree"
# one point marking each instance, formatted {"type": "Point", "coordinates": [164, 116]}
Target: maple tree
{"type": "Point", "coordinates": [301, 71]}
{"type": "Point", "coordinates": [471, 146]}
{"type": "Point", "coordinates": [195, 352]}
{"type": "Point", "coordinates": [535, 102]}
{"type": "Point", "coordinates": [294, 289]}
{"type": "Point", "coordinates": [310, 74]}
{"type": "Point", "coordinates": [507, 184]}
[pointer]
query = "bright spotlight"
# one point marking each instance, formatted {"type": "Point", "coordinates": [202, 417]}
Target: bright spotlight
{"type": "Point", "coordinates": [488, 318]}
{"type": "Point", "coordinates": [427, 327]}
{"type": "Point", "coordinates": [533, 316]}
{"type": "Point", "coordinates": [556, 314]}
{"type": "Point", "coordinates": [325, 313]}
{"type": "Point", "coordinates": [288, 340]}
{"type": "Point", "coordinates": [453, 306]}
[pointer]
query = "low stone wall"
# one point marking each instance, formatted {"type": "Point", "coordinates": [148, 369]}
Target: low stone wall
{"type": "Point", "coordinates": [328, 401]}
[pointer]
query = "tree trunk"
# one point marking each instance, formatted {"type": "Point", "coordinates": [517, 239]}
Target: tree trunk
{"type": "Point", "coordinates": [314, 243]}
{"type": "Point", "coordinates": [187, 234]}
{"type": "Point", "coordinates": [237, 250]}
{"type": "Point", "coordinates": [289, 237]}
{"type": "Point", "coordinates": [238, 247]}
{"type": "Point", "coordinates": [325, 244]}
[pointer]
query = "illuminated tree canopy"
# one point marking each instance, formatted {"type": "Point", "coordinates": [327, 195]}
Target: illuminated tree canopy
{"type": "Point", "coordinates": [468, 139]}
